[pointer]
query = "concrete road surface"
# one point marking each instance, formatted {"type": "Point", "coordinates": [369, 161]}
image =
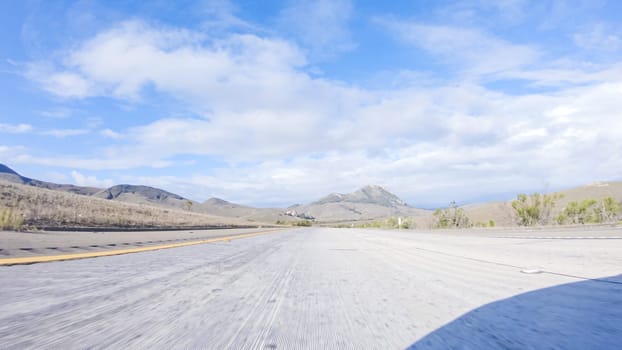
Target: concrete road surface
{"type": "Point", "coordinates": [327, 289]}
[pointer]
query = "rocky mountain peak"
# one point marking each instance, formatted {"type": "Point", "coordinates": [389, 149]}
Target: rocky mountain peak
{"type": "Point", "coordinates": [372, 194]}
{"type": "Point", "coordinates": [149, 193]}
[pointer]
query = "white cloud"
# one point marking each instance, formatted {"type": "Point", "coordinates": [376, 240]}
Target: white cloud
{"type": "Point", "coordinates": [598, 37]}
{"type": "Point", "coordinates": [321, 26]}
{"type": "Point", "coordinates": [221, 14]}
{"type": "Point", "coordinates": [304, 137]}
{"type": "Point", "coordinates": [62, 83]}
{"type": "Point", "coordinates": [9, 152]}
{"type": "Point", "coordinates": [59, 113]}
{"type": "Point", "coordinates": [473, 50]}
{"type": "Point", "coordinates": [111, 134]}
{"type": "Point", "coordinates": [68, 85]}
{"type": "Point", "coordinates": [509, 9]}
{"type": "Point", "coordinates": [90, 181]}
{"type": "Point", "coordinates": [60, 133]}
{"type": "Point", "coordinates": [498, 13]}
{"type": "Point", "coordinates": [484, 143]}
{"type": "Point", "coordinates": [478, 55]}
{"type": "Point", "coordinates": [213, 74]}
{"type": "Point", "coordinates": [249, 86]}
{"type": "Point", "coordinates": [125, 161]}
{"type": "Point", "coordinates": [564, 76]}
{"type": "Point", "coordinates": [15, 128]}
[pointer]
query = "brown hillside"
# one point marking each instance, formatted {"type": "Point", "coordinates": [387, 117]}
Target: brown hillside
{"type": "Point", "coordinates": [43, 207]}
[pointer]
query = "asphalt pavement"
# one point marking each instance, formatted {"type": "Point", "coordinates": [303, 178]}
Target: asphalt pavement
{"type": "Point", "coordinates": [323, 288]}
{"type": "Point", "coordinates": [31, 244]}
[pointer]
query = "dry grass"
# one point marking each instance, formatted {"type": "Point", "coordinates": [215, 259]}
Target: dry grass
{"type": "Point", "coordinates": [9, 220]}
{"type": "Point", "coordinates": [41, 207]}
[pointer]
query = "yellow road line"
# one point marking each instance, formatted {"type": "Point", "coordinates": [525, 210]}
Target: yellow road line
{"type": "Point", "coordinates": [50, 258]}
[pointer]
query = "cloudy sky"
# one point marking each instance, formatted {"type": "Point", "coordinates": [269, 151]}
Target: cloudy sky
{"type": "Point", "coordinates": [280, 102]}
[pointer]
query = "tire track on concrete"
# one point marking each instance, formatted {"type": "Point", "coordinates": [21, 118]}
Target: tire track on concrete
{"type": "Point", "coordinates": [331, 289]}
{"type": "Point", "coordinates": [266, 304]}
{"type": "Point", "coordinates": [129, 298]}
{"type": "Point", "coordinates": [277, 298]}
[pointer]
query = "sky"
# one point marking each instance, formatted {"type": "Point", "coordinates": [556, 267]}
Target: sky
{"type": "Point", "coordinates": [271, 103]}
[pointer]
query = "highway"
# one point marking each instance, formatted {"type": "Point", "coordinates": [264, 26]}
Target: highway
{"type": "Point", "coordinates": [322, 288]}
{"type": "Point", "coordinates": [44, 243]}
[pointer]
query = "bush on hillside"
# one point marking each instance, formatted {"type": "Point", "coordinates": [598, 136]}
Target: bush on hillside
{"type": "Point", "coordinates": [590, 211]}
{"type": "Point", "coordinates": [534, 209]}
{"type": "Point", "coordinates": [305, 223]}
{"type": "Point", "coordinates": [452, 217]}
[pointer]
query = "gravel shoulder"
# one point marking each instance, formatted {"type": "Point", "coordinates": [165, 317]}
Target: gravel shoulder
{"type": "Point", "coordinates": [325, 288]}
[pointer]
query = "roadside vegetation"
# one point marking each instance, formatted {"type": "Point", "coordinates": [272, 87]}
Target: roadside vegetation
{"type": "Point", "coordinates": [23, 206]}
{"type": "Point", "coordinates": [303, 223]}
{"type": "Point", "coordinates": [534, 209]}
{"type": "Point", "coordinates": [590, 211]}
{"type": "Point", "coordinates": [451, 217]}
{"type": "Point", "coordinates": [393, 222]}
{"type": "Point", "coordinates": [489, 223]}
{"type": "Point", "coordinates": [528, 210]}
{"type": "Point", "coordinates": [10, 220]}
{"type": "Point", "coordinates": [537, 209]}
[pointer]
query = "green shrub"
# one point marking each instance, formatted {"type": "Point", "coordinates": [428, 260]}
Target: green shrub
{"type": "Point", "coordinates": [590, 211]}
{"type": "Point", "coordinates": [305, 223]}
{"type": "Point", "coordinates": [610, 209]}
{"type": "Point", "coordinates": [390, 223]}
{"type": "Point", "coordinates": [489, 223]}
{"type": "Point", "coordinates": [578, 212]}
{"type": "Point", "coordinates": [452, 217]}
{"type": "Point", "coordinates": [534, 209]}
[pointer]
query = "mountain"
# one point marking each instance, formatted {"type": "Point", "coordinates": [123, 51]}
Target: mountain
{"type": "Point", "coordinates": [45, 208]}
{"type": "Point", "coordinates": [369, 202]}
{"type": "Point", "coordinates": [224, 208]}
{"type": "Point", "coordinates": [152, 196]}
{"type": "Point", "coordinates": [221, 207]}
{"type": "Point", "coordinates": [368, 194]}
{"type": "Point", "coordinates": [11, 175]}
{"type": "Point", "coordinates": [143, 195]}
{"type": "Point", "coordinates": [8, 171]}
{"type": "Point", "coordinates": [120, 193]}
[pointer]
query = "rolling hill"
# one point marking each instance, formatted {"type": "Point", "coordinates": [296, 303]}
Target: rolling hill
{"type": "Point", "coordinates": [221, 207]}
{"type": "Point", "coordinates": [155, 197]}
{"type": "Point", "coordinates": [144, 195]}
{"type": "Point", "coordinates": [121, 193]}
{"type": "Point", "coordinates": [369, 202]}
{"type": "Point", "coordinates": [42, 207]}
{"type": "Point", "coordinates": [365, 204]}
{"type": "Point", "coordinates": [10, 175]}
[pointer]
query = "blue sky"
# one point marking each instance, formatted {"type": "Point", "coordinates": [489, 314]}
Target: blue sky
{"type": "Point", "coordinates": [274, 103]}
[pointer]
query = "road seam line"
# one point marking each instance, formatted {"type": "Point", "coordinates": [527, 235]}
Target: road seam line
{"type": "Point", "coordinates": [53, 258]}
